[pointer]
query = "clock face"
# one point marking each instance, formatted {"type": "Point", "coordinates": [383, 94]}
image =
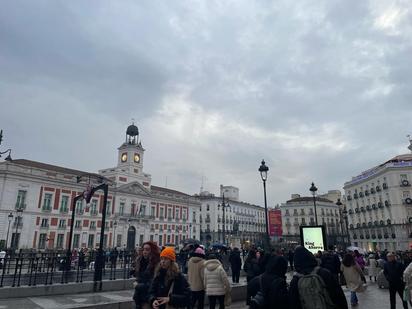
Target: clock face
{"type": "Point", "coordinates": [136, 158]}
{"type": "Point", "coordinates": [124, 157]}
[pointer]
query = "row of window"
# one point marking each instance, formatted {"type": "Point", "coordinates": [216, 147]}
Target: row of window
{"type": "Point", "coordinates": [239, 210]}
{"type": "Point", "coordinates": [370, 189]}
{"type": "Point", "coordinates": [323, 212]}
{"type": "Point", "coordinates": [93, 207]}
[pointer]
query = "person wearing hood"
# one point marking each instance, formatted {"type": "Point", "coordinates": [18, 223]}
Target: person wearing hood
{"type": "Point", "coordinates": [235, 264]}
{"type": "Point", "coordinates": [330, 261]}
{"type": "Point", "coordinates": [195, 276]}
{"type": "Point", "coordinates": [305, 263]}
{"type": "Point", "coordinates": [272, 283]}
{"type": "Point", "coordinates": [216, 282]}
{"type": "Point", "coordinates": [169, 287]}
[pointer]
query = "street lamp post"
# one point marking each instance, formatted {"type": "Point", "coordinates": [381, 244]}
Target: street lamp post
{"type": "Point", "coordinates": [345, 217]}
{"type": "Point", "coordinates": [263, 169]}
{"type": "Point", "coordinates": [9, 218]}
{"type": "Point", "coordinates": [16, 238]}
{"type": "Point", "coordinates": [339, 204]}
{"type": "Point", "coordinates": [313, 189]}
{"type": "Point", "coordinates": [8, 158]}
{"type": "Point", "coordinates": [224, 205]}
{"type": "Point", "coordinates": [114, 234]}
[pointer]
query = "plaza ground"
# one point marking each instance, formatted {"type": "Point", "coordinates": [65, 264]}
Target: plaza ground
{"type": "Point", "coordinates": [373, 298]}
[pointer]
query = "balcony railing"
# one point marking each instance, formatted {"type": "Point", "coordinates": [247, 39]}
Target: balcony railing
{"type": "Point", "coordinates": [62, 227]}
{"type": "Point", "coordinates": [44, 226]}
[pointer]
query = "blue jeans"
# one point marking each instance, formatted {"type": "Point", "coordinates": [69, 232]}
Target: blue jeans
{"type": "Point", "coordinates": [353, 298]}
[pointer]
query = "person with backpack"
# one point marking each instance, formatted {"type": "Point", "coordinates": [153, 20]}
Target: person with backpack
{"type": "Point", "coordinates": [313, 286]}
{"type": "Point", "coordinates": [353, 277]}
{"type": "Point", "coordinates": [269, 290]}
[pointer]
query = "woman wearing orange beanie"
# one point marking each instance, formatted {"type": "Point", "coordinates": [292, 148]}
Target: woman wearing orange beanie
{"type": "Point", "coordinates": [169, 288]}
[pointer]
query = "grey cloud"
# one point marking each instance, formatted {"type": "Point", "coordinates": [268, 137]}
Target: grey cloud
{"type": "Point", "coordinates": [80, 70]}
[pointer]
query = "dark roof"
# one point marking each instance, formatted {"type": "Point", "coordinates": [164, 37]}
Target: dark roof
{"type": "Point", "coordinates": [132, 130]}
{"type": "Point", "coordinates": [53, 168]}
{"type": "Point", "coordinates": [309, 199]}
{"type": "Point", "coordinates": [166, 190]}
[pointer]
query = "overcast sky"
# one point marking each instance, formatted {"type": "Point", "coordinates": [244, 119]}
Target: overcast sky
{"type": "Point", "coordinates": [320, 89]}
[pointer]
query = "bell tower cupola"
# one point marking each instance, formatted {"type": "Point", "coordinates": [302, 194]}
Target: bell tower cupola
{"type": "Point", "coordinates": [130, 161]}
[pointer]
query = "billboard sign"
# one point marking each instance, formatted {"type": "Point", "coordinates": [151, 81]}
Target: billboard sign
{"type": "Point", "coordinates": [313, 238]}
{"type": "Point", "coordinates": [275, 222]}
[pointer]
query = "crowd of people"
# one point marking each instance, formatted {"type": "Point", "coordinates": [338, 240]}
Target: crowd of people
{"type": "Point", "coordinates": [164, 282]}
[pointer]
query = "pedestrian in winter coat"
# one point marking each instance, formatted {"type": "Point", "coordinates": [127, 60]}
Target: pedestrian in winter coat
{"type": "Point", "coordinates": [407, 278]}
{"type": "Point", "coordinates": [305, 263]}
{"type": "Point", "coordinates": [143, 270]}
{"type": "Point", "coordinates": [169, 288]}
{"type": "Point", "coordinates": [393, 271]}
{"type": "Point", "coordinates": [195, 276]}
{"type": "Point", "coordinates": [330, 260]}
{"type": "Point", "coordinates": [251, 266]}
{"type": "Point", "coordinates": [272, 283]}
{"type": "Point", "coordinates": [359, 259]}
{"type": "Point", "coordinates": [235, 264]}
{"type": "Point", "coordinates": [373, 269]}
{"type": "Point", "coordinates": [216, 282]}
{"type": "Point", "coordinates": [353, 277]}
{"type": "Point", "coordinates": [252, 269]}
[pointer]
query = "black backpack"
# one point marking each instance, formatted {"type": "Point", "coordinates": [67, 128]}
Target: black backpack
{"type": "Point", "coordinates": [260, 300]}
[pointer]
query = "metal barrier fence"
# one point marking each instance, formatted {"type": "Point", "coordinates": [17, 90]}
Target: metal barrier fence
{"type": "Point", "coordinates": [48, 268]}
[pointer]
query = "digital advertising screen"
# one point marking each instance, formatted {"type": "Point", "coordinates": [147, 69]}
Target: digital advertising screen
{"type": "Point", "coordinates": [313, 238]}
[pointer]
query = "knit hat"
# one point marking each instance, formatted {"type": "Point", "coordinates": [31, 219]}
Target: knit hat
{"type": "Point", "coordinates": [200, 251]}
{"type": "Point", "coordinates": [168, 253]}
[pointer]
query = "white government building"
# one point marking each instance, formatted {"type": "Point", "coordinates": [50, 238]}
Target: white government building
{"type": "Point", "coordinates": [245, 223]}
{"type": "Point", "coordinates": [379, 205]}
{"type": "Point", "coordinates": [299, 211]}
{"type": "Point", "coordinates": [35, 203]}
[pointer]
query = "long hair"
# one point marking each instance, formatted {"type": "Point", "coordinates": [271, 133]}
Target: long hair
{"type": "Point", "coordinates": [171, 273]}
{"type": "Point", "coordinates": [348, 260]}
{"type": "Point", "coordinates": [154, 257]}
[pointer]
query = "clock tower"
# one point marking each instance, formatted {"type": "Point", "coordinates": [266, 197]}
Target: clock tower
{"type": "Point", "coordinates": [130, 161]}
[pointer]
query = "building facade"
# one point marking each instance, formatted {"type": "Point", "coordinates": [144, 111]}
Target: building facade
{"type": "Point", "coordinates": [379, 206]}
{"type": "Point", "coordinates": [244, 222]}
{"type": "Point", "coordinates": [299, 211]}
{"type": "Point", "coordinates": [36, 203]}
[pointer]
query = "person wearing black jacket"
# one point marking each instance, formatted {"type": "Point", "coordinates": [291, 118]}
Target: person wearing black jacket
{"type": "Point", "coordinates": [252, 269]}
{"type": "Point", "coordinates": [272, 283]}
{"type": "Point", "coordinates": [169, 286]}
{"type": "Point", "coordinates": [331, 262]}
{"type": "Point", "coordinates": [235, 264]}
{"type": "Point", "coordinates": [305, 262]}
{"type": "Point", "coordinates": [393, 271]}
{"type": "Point", "coordinates": [143, 270]}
